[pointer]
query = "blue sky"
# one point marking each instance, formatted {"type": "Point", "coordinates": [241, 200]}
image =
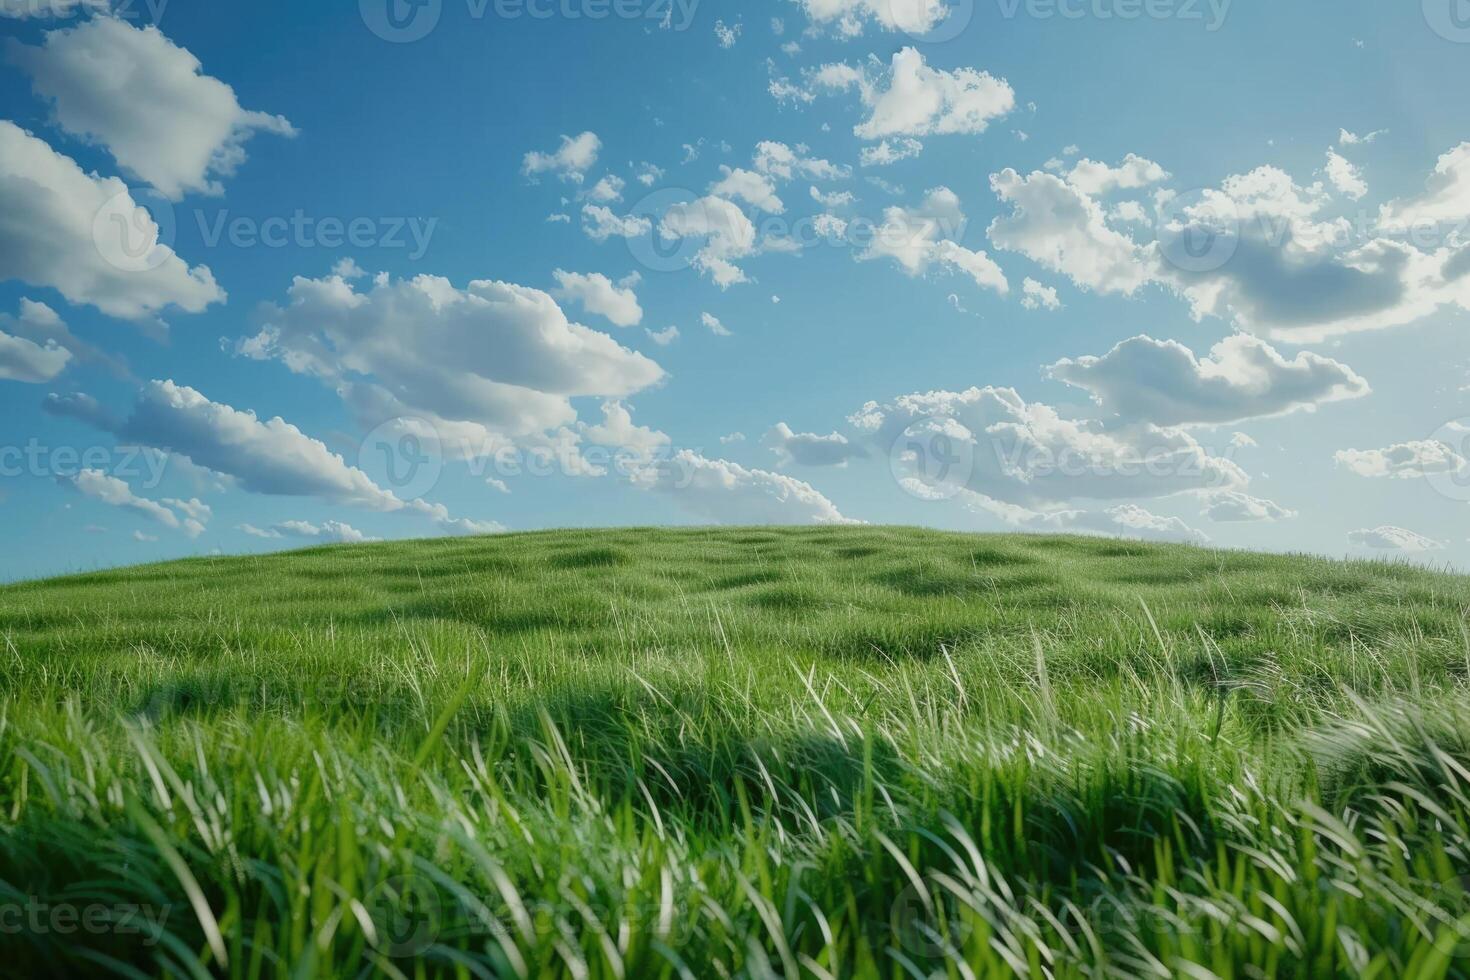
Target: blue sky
{"type": "Point", "coordinates": [1164, 269]}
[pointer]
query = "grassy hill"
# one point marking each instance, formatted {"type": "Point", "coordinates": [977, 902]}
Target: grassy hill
{"type": "Point", "coordinates": [694, 753]}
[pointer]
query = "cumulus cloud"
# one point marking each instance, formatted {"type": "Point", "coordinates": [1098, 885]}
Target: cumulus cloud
{"type": "Point", "coordinates": [1234, 507]}
{"type": "Point", "coordinates": [570, 161]}
{"type": "Point", "coordinates": [617, 431]}
{"type": "Point", "coordinates": [889, 152]}
{"type": "Point", "coordinates": [785, 163]}
{"type": "Point", "coordinates": [49, 8]}
{"type": "Point", "coordinates": [993, 443]}
{"type": "Point", "coordinates": [29, 350]}
{"type": "Point", "coordinates": [753, 188]}
{"type": "Point", "coordinates": [1121, 521]}
{"type": "Point", "coordinates": [116, 493]}
{"type": "Point", "coordinates": [848, 17]}
{"type": "Point", "coordinates": [87, 238]}
{"type": "Point", "coordinates": [147, 101]}
{"type": "Point", "coordinates": [334, 532]}
{"type": "Point", "coordinates": [1404, 461]}
{"type": "Point", "coordinates": [1243, 377]}
{"type": "Point", "coordinates": [1345, 177]}
{"type": "Point", "coordinates": [727, 493]}
{"type": "Point", "coordinates": [1096, 179]}
{"type": "Point", "coordinates": [1035, 296]}
{"type": "Point", "coordinates": [726, 232]}
{"type": "Point", "coordinates": [490, 359]}
{"type": "Point", "coordinates": [713, 325]}
{"type": "Point", "coordinates": [913, 99]}
{"type": "Point", "coordinates": [601, 223]}
{"type": "Point", "coordinates": [1064, 230]}
{"type": "Point", "coordinates": [663, 337]}
{"type": "Point", "coordinates": [921, 238]}
{"type": "Point", "coordinates": [599, 294]}
{"type": "Point", "coordinates": [809, 448]}
{"type": "Point", "coordinates": [1386, 537]}
{"type": "Point", "coordinates": [1446, 196]}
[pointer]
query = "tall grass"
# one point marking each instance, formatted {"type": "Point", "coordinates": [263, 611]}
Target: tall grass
{"type": "Point", "coordinates": [746, 752]}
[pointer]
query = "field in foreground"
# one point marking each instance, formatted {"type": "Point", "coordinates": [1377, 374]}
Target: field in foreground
{"type": "Point", "coordinates": [755, 752]}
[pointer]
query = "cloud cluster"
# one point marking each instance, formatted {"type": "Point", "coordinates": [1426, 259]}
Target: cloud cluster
{"type": "Point", "coordinates": [809, 448]}
{"type": "Point", "coordinates": [728, 493]}
{"type": "Point", "coordinates": [923, 237]}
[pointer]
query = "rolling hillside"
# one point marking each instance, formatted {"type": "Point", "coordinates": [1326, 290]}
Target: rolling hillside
{"type": "Point", "coordinates": [703, 752]}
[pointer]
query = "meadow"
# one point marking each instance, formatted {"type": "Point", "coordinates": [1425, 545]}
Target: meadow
{"type": "Point", "coordinates": [693, 753]}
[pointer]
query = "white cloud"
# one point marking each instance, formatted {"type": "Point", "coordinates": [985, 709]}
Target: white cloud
{"type": "Point", "coordinates": [728, 493]}
{"type": "Point", "coordinates": [147, 101]}
{"type": "Point", "coordinates": [918, 238]}
{"type": "Point", "coordinates": [832, 199]}
{"type": "Point", "coordinates": [328, 531]}
{"type": "Point", "coordinates": [1344, 176]}
{"type": "Point", "coordinates": [1233, 506]}
{"type": "Point", "coordinates": [753, 188]}
{"type": "Point", "coordinates": [997, 445]}
{"type": "Point", "coordinates": [30, 352]}
{"type": "Point", "coordinates": [727, 233]}
{"type": "Point", "coordinates": [920, 100]}
{"type": "Point", "coordinates": [726, 34]}
{"type": "Point", "coordinates": [1446, 196]}
{"type": "Point", "coordinates": [649, 174]}
{"type": "Point", "coordinates": [600, 224]}
{"type": "Point", "coordinates": [1064, 230]}
{"type": "Point", "coordinates": [714, 325]}
{"type": "Point", "coordinates": [663, 337]}
{"type": "Point", "coordinates": [50, 8]}
{"type": "Point", "coordinates": [86, 237]}
{"type": "Point", "coordinates": [1389, 538]}
{"type": "Point", "coordinates": [886, 153]}
{"type": "Point", "coordinates": [1346, 138]}
{"type": "Point", "coordinates": [607, 190]}
{"type": "Point", "coordinates": [1035, 296]}
{"type": "Point", "coordinates": [570, 161]}
{"type": "Point", "coordinates": [1096, 179]}
{"type": "Point", "coordinates": [599, 294]}
{"type": "Point", "coordinates": [492, 359]}
{"type": "Point", "coordinates": [1403, 461]}
{"type": "Point", "coordinates": [848, 17]}
{"type": "Point", "coordinates": [785, 163]}
{"type": "Point", "coordinates": [617, 431]}
{"type": "Point", "coordinates": [809, 448]}
{"type": "Point", "coordinates": [1122, 521]}
{"type": "Point", "coordinates": [1243, 377]}
{"type": "Point", "coordinates": [114, 492]}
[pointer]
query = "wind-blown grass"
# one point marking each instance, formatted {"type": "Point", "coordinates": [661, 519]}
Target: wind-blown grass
{"type": "Point", "coordinates": [694, 753]}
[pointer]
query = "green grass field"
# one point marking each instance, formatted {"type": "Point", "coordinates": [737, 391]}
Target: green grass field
{"type": "Point", "coordinates": [754, 752]}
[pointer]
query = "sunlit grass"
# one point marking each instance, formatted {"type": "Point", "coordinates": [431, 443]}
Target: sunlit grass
{"type": "Point", "coordinates": [821, 752]}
